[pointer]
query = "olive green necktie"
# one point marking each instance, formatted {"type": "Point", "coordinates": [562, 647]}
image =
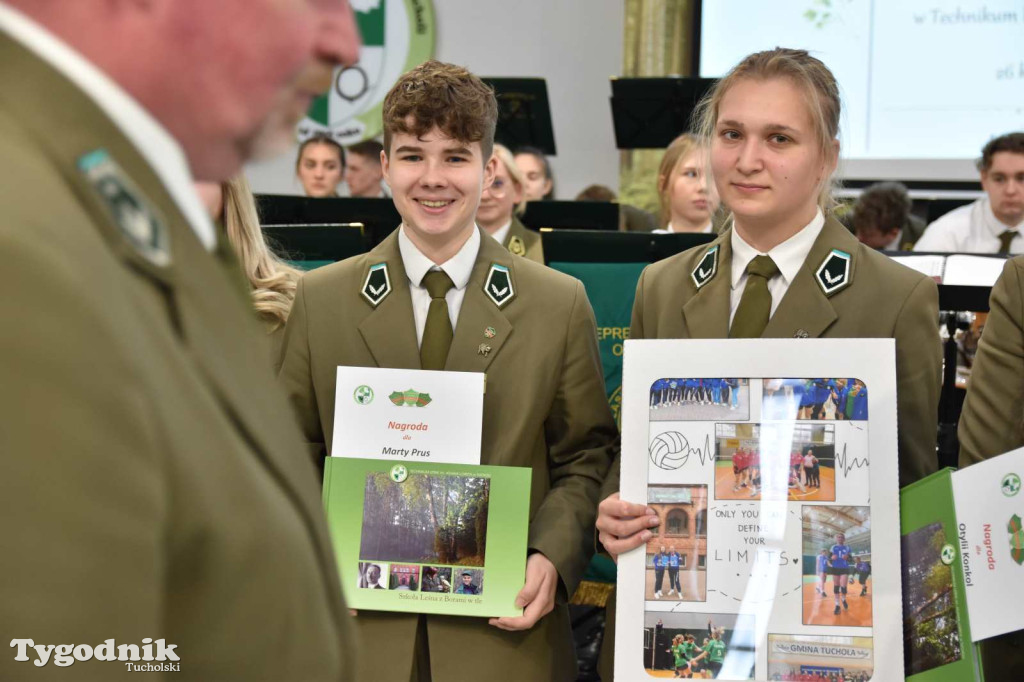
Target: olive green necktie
{"type": "Point", "coordinates": [756, 305]}
{"type": "Point", "coordinates": [437, 332]}
{"type": "Point", "coordinates": [1004, 241]}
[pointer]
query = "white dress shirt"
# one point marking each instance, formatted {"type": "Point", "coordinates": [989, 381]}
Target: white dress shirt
{"type": "Point", "coordinates": [161, 151]}
{"type": "Point", "coordinates": [789, 256]}
{"type": "Point", "coordinates": [670, 230]}
{"type": "Point", "coordinates": [502, 232]}
{"type": "Point", "coordinates": [973, 228]}
{"type": "Point", "coordinates": [459, 267]}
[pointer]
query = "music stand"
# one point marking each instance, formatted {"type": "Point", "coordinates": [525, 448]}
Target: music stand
{"type": "Point", "coordinates": [648, 113]}
{"type": "Point", "coordinates": [590, 246]}
{"type": "Point", "coordinates": [572, 215]}
{"type": "Point", "coordinates": [524, 114]}
{"type": "Point", "coordinates": [315, 245]}
{"type": "Point", "coordinates": [378, 216]}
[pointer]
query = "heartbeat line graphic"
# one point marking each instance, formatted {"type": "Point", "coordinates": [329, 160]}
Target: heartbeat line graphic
{"type": "Point", "coordinates": [847, 465]}
{"type": "Point", "coordinates": [704, 453]}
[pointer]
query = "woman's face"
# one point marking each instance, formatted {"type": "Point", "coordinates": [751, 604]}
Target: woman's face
{"type": "Point", "coordinates": [688, 191]}
{"type": "Point", "coordinates": [538, 184]}
{"type": "Point", "coordinates": [499, 200]}
{"type": "Point", "coordinates": [320, 170]}
{"type": "Point", "coordinates": [765, 155]}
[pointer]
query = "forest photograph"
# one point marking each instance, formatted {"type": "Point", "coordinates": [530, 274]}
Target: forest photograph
{"type": "Point", "coordinates": [425, 519]}
{"type": "Point", "coordinates": [931, 636]}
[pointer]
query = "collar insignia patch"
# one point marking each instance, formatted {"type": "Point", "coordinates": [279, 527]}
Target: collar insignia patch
{"type": "Point", "coordinates": [498, 286]}
{"type": "Point", "coordinates": [834, 272]}
{"type": "Point", "coordinates": [707, 268]}
{"type": "Point", "coordinates": [377, 285]}
{"type": "Point", "coordinates": [136, 218]}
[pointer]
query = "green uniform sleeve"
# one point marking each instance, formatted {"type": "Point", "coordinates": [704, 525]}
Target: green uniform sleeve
{"type": "Point", "coordinates": [581, 436]}
{"type": "Point", "coordinates": [992, 421]}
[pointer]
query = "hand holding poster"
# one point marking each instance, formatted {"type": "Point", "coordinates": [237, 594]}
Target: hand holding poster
{"type": "Point", "coordinates": [772, 467]}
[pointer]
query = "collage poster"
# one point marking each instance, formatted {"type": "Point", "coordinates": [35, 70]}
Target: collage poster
{"type": "Point", "coordinates": [771, 465]}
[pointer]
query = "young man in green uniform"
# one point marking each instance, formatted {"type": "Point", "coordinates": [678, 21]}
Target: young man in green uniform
{"type": "Point", "coordinates": [153, 480]}
{"type": "Point", "coordinates": [438, 294]}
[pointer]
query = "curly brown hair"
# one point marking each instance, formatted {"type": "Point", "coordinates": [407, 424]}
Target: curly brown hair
{"type": "Point", "coordinates": [884, 206]}
{"type": "Point", "coordinates": [444, 95]}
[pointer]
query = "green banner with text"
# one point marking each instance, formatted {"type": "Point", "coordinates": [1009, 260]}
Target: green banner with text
{"type": "Point", "coordinates": [611, 288]}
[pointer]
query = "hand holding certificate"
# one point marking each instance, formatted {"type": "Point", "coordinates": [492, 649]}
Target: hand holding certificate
{"type": "Point", "coordinates": [418, 525]}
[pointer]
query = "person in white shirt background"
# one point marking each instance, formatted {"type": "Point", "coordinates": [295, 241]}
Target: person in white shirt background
{"type": "Point", "coordinates": [993, 223]}
{"type": "Point", "coordinates": [687, 204]}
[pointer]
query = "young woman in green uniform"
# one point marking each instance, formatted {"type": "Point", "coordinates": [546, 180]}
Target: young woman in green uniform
{"type": "Point", "coordinates": [785, 267]}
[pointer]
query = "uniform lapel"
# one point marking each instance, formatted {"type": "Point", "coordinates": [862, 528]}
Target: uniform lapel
{"type": "Point", "coordinates": [706, 313]}
{"type": "Point", "coordinates": [390, 330]}
{"type": "Point", "coordinates": [473, 347]}
{"type": "Point", "coordinates": [214, 330]}
{"type": "Point", "coordinates": [805, 310]}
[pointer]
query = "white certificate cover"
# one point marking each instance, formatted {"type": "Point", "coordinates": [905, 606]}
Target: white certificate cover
{"type": "Point", "coordinates": [408, 414]}
{"type": "Point", "coordinates": [990, 512]}
{"type": "Point", "coordinates": [772, 465]}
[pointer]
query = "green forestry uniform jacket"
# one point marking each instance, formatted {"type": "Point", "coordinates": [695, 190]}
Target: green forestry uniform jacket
{"type": "Point", "coordinates": [545, 408]}
{"type": "Point", "coordinates": [992, 421]}
{"type": "Point", "coordinates": [154, 480]}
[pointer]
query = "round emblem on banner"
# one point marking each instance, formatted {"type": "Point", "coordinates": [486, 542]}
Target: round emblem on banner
{"type": "Point", "coordinates": [399, 473]}
{"type": "Point", "coordinates": [948, 554]}
{"type": "Point", "coordinates": [397, 35]}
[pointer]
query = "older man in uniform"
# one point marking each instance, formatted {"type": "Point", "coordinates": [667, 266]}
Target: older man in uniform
{"type": "Point", "coordinates": [441, 294]}
{"type": "Point", "coordinates": [155, 498]}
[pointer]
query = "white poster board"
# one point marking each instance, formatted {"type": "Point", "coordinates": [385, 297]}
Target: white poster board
{"type": "Point", "coordinates": [715, 437]}
{"type": "Point", "coordinates": [989, 504]}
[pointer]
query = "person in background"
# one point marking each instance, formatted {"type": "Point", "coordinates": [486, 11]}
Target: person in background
{"type": "Point", "coordinates": [540, 183]}
{"type": "Point", "coordinates": [271, 280]}
{"type": "Point", "coordinates": [631, 218]}
{"type": "Point", "coordinates": [993, 223]}
{"type": "Point", "coordinates": [686, 203]}
{"type": "Point", "coordinates": [320, 166]}
{"type": "Point", "coordinates": [502, 203]}
{"type": "Point", "coordinates": [882, 219]}
{"type": "Point", "coordinates": [363, 173]}
{"type": "Point", "coordinates": [154, 479]}
{"type": "Point", "coordinates": [597, 193]}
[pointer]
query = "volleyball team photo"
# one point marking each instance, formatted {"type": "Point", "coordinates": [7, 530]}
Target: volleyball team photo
{"type": "Point", "coordinates": [822, 399]}
{"type": "Point", "coordinates": [705, 399]}
{"type": "Point", "coordinates": [676, 553]}
{"type": "Point", "coordinates": [837, 586]}
{"type": "Point", "coordinates": [795, 462]}
{"type": "Point", "coordinates": [699, 646]}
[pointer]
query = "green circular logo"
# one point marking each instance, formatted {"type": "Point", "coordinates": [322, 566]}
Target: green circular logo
{"type": "Point", "coordinates": [948, 554]}
{"type": "Point", "coordinates": [399, 473]}
{"type": "Point", "coordinates": [1010, 485]}
{"type": "Point", "coordinates": [397, 35]}
{"type": "Point", "coordinates": [363, 395]}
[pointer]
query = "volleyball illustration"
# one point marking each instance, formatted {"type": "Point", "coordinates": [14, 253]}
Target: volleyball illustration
{"type": "Point", "coordinates": [669, 450]}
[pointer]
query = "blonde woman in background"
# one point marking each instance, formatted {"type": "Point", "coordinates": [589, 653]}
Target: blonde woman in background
{"type": "Point", "coordinates": [502, 202]}
{"type": "Point", "coordinates": [271, 281]}
{"type": "Point", "coordinates": [687, 204]}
